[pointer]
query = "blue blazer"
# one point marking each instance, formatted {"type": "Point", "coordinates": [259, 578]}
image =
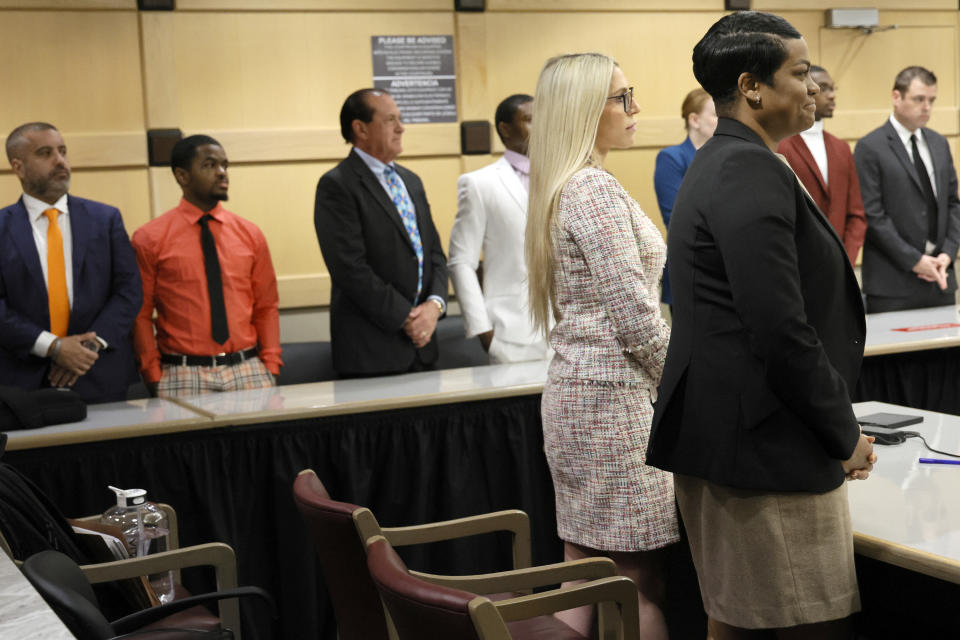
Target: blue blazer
{"type": "Point", "coordinates": [107, 296]}
{"type": "Point", "coordinates": [672, 164]}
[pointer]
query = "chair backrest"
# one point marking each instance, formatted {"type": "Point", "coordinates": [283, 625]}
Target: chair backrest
{"type": "Point", "coordinates": [418, 608]}
{"type": "Point", "coordinates": [29, 521]}
{"type": "Point", "coordinates": [62, 584]}
{"type": "Point", "coordinates": [343, 560]}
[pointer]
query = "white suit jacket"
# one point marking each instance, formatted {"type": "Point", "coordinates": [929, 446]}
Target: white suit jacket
{"type": "Point", "coordinates": [491, 219]}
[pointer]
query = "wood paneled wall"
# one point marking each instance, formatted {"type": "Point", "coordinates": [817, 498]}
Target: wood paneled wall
{"type": "Point", "coordinates": [267, 78]}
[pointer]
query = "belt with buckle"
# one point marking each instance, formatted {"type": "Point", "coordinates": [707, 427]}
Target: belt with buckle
{"type": "Point", "coordinates": [208, 361]}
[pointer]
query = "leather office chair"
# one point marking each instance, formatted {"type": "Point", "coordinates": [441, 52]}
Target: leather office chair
{"type": "Point", "coordinates": [30, 522]}
{"type": "Point", "coordinates": [339, 531]}
{"type": "Point", "coordinates": [421, 609]}
{"type": "Point", "coordinates": [68, 592]}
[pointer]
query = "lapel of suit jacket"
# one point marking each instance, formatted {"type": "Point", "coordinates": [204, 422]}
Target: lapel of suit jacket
{"type": "Point", "coordinates": [817, 213]}
{"type": "Point", "coordinates": [941, 183]}
{"type": "Point", "coordinates": [22, 232]}
{"type": "Point", "coordinates": [901, 152]}
{"type": "Point", "coordinates": [80, 233]}
{"type": "Point", "coordinates": [372, 184]}
{"type": "Point", "coordinates": [801, 148]}
{"type": "Point", "coordinates": [512, 183]}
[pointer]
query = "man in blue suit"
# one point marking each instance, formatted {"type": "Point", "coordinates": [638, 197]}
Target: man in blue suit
{"type": "Point", "coordinates": [69, 284]}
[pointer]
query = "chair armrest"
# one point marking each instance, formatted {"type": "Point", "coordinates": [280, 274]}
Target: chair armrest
{"type": "Point", "coordinates": [618, 589]}
{"type": "Point", "coordinates": [512, 520]}
{"type": "Point", "coordinates": [213, 554]}
{"type": "Point", "coordinates": [140, 619]}
{"type": "Point", "coordinates": [525, 579]}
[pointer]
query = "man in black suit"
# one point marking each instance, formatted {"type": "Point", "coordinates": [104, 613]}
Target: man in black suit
{"type": "Point", "coordinates": [386, 264]}
{"type": "Point", "coordinates": [909, 189]}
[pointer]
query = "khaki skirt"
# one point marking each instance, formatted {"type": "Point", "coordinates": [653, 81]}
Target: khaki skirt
{"type": "Point", "coordinates": [768, 560]}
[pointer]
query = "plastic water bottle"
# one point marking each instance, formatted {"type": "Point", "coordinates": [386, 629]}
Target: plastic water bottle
{"type": "Point", "coordinates": [145, 530]}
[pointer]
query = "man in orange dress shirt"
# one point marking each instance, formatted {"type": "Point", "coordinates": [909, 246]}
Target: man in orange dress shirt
{"type": "Point", "coordinates": [208, 274]}
{"type": "Point", "coordinates": [825, 166]}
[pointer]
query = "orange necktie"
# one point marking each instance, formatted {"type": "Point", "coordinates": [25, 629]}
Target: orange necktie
{"type": "Point", "coordinates": [56, 277]}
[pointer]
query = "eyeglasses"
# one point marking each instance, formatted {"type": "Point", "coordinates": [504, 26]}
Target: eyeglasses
{"type": "Point", "coordinates": [626, 99]}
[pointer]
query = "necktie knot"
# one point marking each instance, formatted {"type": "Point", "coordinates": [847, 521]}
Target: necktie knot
{"type": "Point", "coordinates": [52, 214]}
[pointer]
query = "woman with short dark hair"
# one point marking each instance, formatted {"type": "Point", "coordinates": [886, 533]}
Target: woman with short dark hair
{"type": "Point", "coordinates": [754, 416]}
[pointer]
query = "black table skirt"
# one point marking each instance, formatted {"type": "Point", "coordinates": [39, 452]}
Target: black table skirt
{"type": "Point", "coordinates": [234, 485]}
{"type": "Point", "coordinates": [409, 466]}
{"type": "Point", "coordinates": [921, 379]}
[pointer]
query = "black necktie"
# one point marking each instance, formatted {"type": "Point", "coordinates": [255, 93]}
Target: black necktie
{"type": "Point", "coordinates": [927, 191]}
{"type": "Point", "coordinates": [218, 312]}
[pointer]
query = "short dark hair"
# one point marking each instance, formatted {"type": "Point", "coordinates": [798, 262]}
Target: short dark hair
{"type": "Point", "coordinates": [815, 68]}
{"type": "Point", "coordinates": [906, 76]}
{"type": "Point", "coordinates": [742, 42]}
{"type": "Point", "coordinates": [507, 110]}
{"type": "Point", "coordinates": [357, 107]}
{"type": "Point", "coordinates": [16, 136]}
{"type": "Point", "coordinates": [184, 151]}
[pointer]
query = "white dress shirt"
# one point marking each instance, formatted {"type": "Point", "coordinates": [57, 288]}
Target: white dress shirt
{"type": "Point", "coordinates": [905, 134]}
{"type": "Point", "coordinates": [813, 138]}
{"type": "Point", "coordinates": [40, 224]}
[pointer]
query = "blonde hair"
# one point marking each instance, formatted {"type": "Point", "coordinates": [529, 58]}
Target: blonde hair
{"type": "Point", "coordinates": [570, 97]}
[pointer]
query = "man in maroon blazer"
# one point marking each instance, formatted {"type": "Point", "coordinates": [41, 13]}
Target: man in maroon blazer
{"type": "Point", "coordinates": [825, 166]}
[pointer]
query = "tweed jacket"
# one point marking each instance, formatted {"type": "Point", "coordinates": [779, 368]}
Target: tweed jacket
{"type": "Point", "coordinates": [608, 260]}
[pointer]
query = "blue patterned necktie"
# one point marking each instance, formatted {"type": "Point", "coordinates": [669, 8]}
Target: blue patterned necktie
{"type": "Point", "coordinates": [402, 201]}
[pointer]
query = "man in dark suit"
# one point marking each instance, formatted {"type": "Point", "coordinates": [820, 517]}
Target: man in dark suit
{"type": "Point", "coordinates": [909, 189]}
{"type": "Point", "coordinates": [69, 284]}
{"type": "Point", "coordinates": [825, 166]}
{"type": "Point", "coordinates": [386, 263]}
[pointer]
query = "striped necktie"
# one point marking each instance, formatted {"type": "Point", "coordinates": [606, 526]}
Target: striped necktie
{"type": "Point", "coordinates": [56, 277]}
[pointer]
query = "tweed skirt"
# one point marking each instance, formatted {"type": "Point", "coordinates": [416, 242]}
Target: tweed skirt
{"type": "Point", "coordinates": [767, 560]}
{"type": "Point", "coordinates": [595, 438]}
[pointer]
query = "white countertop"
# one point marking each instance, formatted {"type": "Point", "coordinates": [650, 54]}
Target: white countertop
{"type": "Point", "coordinates": [912, 330]}
{"type": "Point", "coordinates": [911, 511]}
{"type": "Point", "coordinates": [23, 613]}
{"type": "Point", "coordinates": [371, 394]}
{"type": "Point", "coordinates": [107, 421]}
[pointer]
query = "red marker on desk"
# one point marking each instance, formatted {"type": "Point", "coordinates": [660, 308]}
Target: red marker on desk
{"type": "Point", "coordinates": [938, 461]}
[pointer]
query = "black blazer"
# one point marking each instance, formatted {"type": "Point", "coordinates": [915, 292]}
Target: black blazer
{"type": "Point", "coordinates": [373, 268]}
{"type": "Point", "coordinates": [768, 328]}
{"type": "Point", "coordinates": [896, 212]}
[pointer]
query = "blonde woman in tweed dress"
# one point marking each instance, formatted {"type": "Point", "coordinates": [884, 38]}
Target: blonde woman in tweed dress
{"type": "Point", "coordinates": [595, 261]}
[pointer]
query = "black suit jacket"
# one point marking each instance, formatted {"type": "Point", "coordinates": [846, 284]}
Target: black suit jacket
{"type": "Point", "coordinates": [373, 268]}
{"type": "Point", "coordinates": [896, 212]}
{"type": "Point", "coordinates": [768, 328]}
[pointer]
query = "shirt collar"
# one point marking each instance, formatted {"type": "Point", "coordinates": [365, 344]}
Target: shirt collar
{"type": "Point", "coordinates": [374, 164]}
{"type": "Point", "coordinates": [193, 213]}
{"type": "Point", "coordinates": [815, 131]}
{"type": "Point", "coordinates": [36, 207]}
{"type": "Point", "coordinates": [905, 133]}
{"type": "Point", "coordinates": [518, 161]}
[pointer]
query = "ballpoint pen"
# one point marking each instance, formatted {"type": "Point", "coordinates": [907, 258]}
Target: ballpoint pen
{"type": "Point", "coordinates": [938, 461]}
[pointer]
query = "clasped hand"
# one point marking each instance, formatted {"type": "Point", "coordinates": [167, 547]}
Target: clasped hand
{"type": "Point", "coordinates": [933, 269]}
{"type": "Point", "coordinates": [72, 360]}
{"type": "Point", "coordinates": [860, 464]}
{"type": "Point", "coordinates": [421, 323]}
